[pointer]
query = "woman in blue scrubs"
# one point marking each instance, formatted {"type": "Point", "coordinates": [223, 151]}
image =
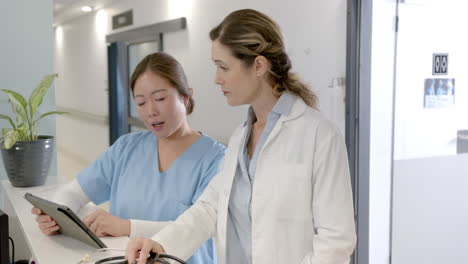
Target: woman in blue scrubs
{"type": "Point", "coordinates": [171, 162]}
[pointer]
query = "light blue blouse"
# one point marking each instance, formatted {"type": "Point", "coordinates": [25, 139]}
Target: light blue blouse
{"type": "Point", "coordinates": [128, 176]}
{"type": "Point", "coordinates": [239, 224]}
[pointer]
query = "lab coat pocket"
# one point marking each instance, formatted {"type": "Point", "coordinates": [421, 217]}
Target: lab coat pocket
{"type": "Point", "coordinates": [292, 191]}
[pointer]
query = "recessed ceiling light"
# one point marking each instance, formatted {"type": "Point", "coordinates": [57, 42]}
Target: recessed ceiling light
{"type": "Point", "coordinates": [86, 9]}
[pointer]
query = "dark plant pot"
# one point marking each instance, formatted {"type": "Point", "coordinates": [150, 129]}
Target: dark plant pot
{"type": "Point", "coordinates": [27, 163]}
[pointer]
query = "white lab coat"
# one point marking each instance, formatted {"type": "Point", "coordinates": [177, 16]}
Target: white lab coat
{"type": "Point", "coordinates": [302, 209]}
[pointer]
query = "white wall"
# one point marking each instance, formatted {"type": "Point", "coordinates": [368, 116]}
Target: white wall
{"type": "Point", "coordinates": [315, 33]}
{"type": "Point", "coordinates": [380, 163]}
{"type": "Point", "coordinates": [425, 132]}
{"type": "Point", "coordinates": [26, 53]}
{"type": "Point", "coordinates": [81, 62]}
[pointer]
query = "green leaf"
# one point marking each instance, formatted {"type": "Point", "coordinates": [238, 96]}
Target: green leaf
{"type": "Point", "coordinates": [10, 138]}
{"type": "Point", "coordinates": [49, 113]}
{"type": "Point", "coordinates": [22, 126]}
{"type": "Point", "coordinates": [35, 100]}
{"type": "Point", "coordinates": [23, 135]}
{"type": "Point", "coordinates": [9, 120]}
{"type": "Point", "coordinates": [18, 96]}
{"type": "Point", "coordinates": [18, 103]}
{"type": "Point", "coordinates": [22, 131]}
{"type": "Point", "coordinates": [4, 131]}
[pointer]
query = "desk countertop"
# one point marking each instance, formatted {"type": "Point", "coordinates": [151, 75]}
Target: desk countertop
{"type": "Point", "coordinates": [49, 249]}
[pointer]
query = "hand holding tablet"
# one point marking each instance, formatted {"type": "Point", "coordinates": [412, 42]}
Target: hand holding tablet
{"type": "Point", "coordinates": [67, 221]}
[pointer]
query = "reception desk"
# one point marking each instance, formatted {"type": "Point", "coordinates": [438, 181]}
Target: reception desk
{"type": "Point", "coordinates": [57, 249]}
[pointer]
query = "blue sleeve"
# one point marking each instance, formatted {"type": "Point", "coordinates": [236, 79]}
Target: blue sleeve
{"type": "Point", "coordinates": [211, 170]}
{"type": "Point", "coordinates": [96, 179]}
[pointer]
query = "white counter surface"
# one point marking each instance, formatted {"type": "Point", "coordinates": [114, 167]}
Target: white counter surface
{"type": "Point", "coordinates": [49, 249]}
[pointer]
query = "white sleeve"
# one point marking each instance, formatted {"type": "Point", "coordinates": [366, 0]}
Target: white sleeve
{"type": "Point", "coordinates": [71, 195]}
{"type": "Point", "coordinates": [146, 229]}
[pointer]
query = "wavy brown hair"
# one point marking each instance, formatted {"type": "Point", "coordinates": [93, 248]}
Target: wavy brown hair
{"type": "Point", "coordinates": [170, 69]}
{"type": "Point", "coordinates": [248, 34]}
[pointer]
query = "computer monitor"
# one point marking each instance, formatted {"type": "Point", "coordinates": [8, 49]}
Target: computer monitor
{"type": "Point", "coordinates": [4, 243]}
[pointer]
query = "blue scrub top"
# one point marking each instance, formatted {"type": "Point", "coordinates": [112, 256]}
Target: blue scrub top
{"type": "Point", "coordinates": [128, 176]}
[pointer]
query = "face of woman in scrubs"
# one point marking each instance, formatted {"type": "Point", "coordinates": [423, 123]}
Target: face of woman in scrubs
{"type": "Point", "coordinates": [159, 104]}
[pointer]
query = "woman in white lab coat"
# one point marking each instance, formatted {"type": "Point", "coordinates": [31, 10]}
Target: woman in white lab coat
{"type": "Point", "coordinates": [283, 194]}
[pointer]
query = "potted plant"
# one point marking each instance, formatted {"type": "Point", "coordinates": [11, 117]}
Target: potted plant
{"type": "Point", "coordinates": [27, 155]}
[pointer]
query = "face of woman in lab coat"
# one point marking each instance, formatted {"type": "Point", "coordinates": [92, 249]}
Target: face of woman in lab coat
{"type": "Point", "coordinates": [239, 82]}
{"type": "Point", "coordinates": [159, 104]}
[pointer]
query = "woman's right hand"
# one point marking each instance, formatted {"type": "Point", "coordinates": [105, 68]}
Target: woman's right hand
{"type": "Point", "coordinates": [47, 225]}
{"type": "Point", "coordinates": [140, 249]}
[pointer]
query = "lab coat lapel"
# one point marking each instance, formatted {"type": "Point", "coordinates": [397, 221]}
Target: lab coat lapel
{"type": "Point", "coordinates": [297, 110]}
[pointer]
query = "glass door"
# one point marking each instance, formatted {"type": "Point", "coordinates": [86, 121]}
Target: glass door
{"type": "Point", "coordinates": [430, 151]}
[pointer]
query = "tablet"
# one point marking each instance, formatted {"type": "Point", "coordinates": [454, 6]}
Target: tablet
{"type": "Point", "coordinates": [70, 224]}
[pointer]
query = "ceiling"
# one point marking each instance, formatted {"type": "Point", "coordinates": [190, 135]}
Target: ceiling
{"type": "Point", "coordinates": [59, 4]}
{"type": "Point", "coordinates": [65, 10]}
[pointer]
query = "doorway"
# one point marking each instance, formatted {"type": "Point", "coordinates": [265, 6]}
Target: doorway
{"type": "Point", "coordinates": [430, 159]}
